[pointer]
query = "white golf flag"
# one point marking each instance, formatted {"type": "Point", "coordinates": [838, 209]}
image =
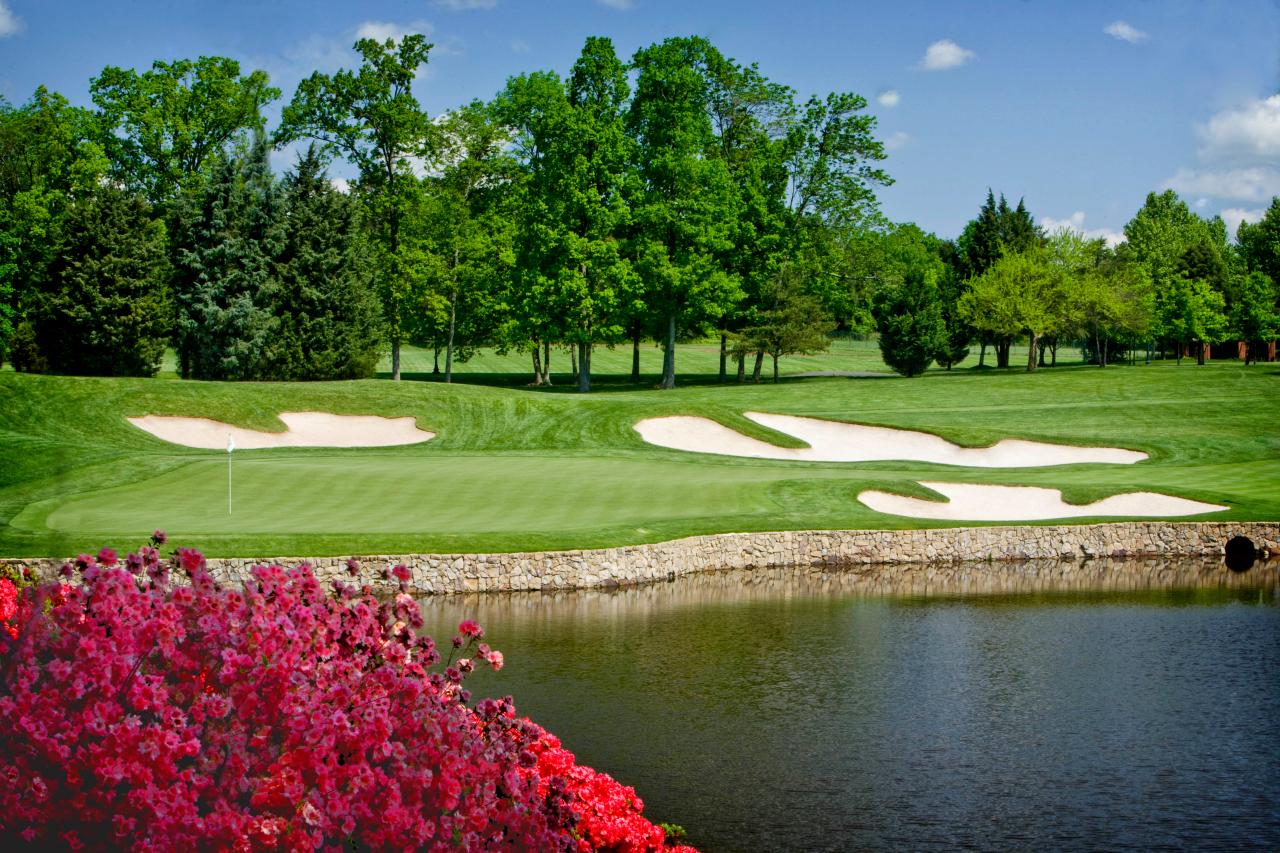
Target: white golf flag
{"type": "Point", "coordinates": [231, 442]}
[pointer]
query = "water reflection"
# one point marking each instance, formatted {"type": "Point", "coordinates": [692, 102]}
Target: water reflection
{"type": "Point", "coordinates": [1100, 704]}
{"type": "Point", "coordinates": [1194, 580]}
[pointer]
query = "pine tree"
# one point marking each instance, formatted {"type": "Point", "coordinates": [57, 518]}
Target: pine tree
{"type": "Point", "coordinates": [106, 312]}
{"type": "Point", "coordinates": [909, 319]}
{"type": "Point", "coordinates": [226, 239]}
{"type": "Point", "coordinates": [322, 295]}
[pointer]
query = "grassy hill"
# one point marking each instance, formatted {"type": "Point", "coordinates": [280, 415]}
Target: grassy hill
{"type": "Point", "coordinates": [515, 468]}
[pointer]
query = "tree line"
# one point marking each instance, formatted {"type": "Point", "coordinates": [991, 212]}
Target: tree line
{"type": "Point", "coordinates": [674, 196]}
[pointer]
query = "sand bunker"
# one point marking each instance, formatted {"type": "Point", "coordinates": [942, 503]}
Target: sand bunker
{"type": "Point", "coordinates": [832, 441]}
{"type": "Point", "coordinates": [972, 502]}
{"type": "Point", "coordinates": [305, 429]}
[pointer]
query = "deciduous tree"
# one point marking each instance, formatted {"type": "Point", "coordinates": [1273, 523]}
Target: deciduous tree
{"type": "Point", "coordinates": [170, 125]}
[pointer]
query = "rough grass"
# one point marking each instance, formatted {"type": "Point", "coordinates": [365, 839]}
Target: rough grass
{"type": "Point", "coordinates": [515, 468]}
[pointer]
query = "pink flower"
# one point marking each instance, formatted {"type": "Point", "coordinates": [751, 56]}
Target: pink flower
{"type": "Point", "coordinates": [159, 538]}
{"type": "Point", "coordinates": [8, 600]}
{"type": "Point", "coordinates": [272, 716]}
{"type": "Point", "coordinates": [191, 559]}
{"type": "Point", "coordinates": [107, 557]}
{"type": "Point", "coordinates": [401, 572]}
{"type": "Point", "coordinates": [468, 628]}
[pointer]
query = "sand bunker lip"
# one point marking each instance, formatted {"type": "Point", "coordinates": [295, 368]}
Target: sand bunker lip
{"type": "Point", "coordinates": [834, 441]}
{"type": "Point", "coordinates": [973, 502]}
{"type": "Point", "coordinates": [305, 429]}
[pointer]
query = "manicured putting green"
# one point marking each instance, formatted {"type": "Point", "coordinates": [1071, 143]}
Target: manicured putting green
{"type": "Point", "coordinates": [319, 495]}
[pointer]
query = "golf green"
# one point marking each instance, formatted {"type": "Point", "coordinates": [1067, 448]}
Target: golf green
{"type": "Point", "coordinates": [514, 468]}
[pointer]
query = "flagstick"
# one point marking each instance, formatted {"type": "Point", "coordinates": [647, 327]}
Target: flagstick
{"type": "Point", "coordinates": [231, 445]}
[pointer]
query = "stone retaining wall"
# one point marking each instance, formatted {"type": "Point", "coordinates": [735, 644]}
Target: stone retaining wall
{"type": "Point", "coordinates": [633, 564]}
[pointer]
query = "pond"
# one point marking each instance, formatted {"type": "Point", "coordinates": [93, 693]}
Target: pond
{"type": "Point", "coordinates": [1117, 705]}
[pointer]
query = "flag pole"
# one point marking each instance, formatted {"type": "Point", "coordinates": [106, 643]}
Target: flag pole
{"type": "Point", "coordinates": [231, 445]}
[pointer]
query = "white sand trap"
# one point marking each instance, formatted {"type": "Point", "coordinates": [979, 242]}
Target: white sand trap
{"type": "Point", "coordinates": [833, 441]}
{"type": "Point", "coordinates": [972, 502]}
{"type": "Point", "coordinates": [305, 429]}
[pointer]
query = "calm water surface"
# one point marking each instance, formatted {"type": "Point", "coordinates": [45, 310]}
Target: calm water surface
{"type": "Point", "coordinates": [803, 710]}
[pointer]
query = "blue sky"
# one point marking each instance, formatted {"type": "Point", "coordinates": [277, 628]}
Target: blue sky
{"type": "Point", "coordinates": [1080, 107]}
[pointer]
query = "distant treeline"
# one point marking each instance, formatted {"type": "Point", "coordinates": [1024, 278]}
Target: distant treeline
{"type": "Point", "coordinates": [676, 196]}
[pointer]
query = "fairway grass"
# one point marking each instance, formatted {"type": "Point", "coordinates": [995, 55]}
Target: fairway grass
{"type": "Point", "coordinates": [514, 468]}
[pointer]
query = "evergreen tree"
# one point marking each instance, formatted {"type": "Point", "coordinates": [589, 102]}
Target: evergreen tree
{"type": "Point", "coordinates": [106, 312]}
{"type": "Point", "coordinates": [322, 296]}
{"type": "Point", "coordinates": [371, 117]}
{"type": "Point", "coordinates": [225, 242]}
{"type": "Point", "coordinates": [958, 332]}
{"type": "Point", "coordinates": [909, 319]}
{"type": "Point", "coordinates": [997, 231]}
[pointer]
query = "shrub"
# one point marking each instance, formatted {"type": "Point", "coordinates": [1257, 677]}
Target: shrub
{"type": "Point", "coordinates": [909, 319]}
{"type": "Point", "coordinates": [146, 714]}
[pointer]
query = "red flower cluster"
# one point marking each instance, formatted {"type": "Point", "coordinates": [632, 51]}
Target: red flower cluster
{"type": "Point", "coordinates": [608, 812]}
{"type": "Point", "coordinates": [8, 607]}
{"type": "Point", "coordinates": [137, 713]}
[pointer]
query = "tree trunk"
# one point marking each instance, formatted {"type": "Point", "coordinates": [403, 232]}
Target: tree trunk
{"type": "Point", "coordinates": [448, 352]}
{"type": "Point", "coordinates": [755, 371]}
{"type": "Point", "coordinates": [546, 363]}
{"type": "Point", "coordinates": [1200, 353]}
{"type": "Point", "coordinates": [982, 353]}
{"type": "Point", "coordinates": [1031, 353]}
{"type": "Point", "coordinates": [584, 367]}
{"type": "Point", "coordinates": [1053, 353]}
{"type": "Point", "coordinates": [775, 369]}
{"type": "Point", "coordinates": [537, 365]}
{"type": "Point", "coordinates": [573, 359]}
{"type": "Point", "coordinates": [742, 366]}
{"type": "Point", "coordinates": [724, 356]}
{"type": "Point", "coordinates": [395, 359]}
{"type": "Point", "coordinates": [635, 358]}
{"type": "Point", "coordinates": [435, 361]}
{"type": "Point", "coordinates": [1002, 352]}
{"type": "Point", "coordinates": [669, 356]}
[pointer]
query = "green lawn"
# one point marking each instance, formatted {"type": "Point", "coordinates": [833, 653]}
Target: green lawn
{"type": "Point", "coordinates": [518, 468]}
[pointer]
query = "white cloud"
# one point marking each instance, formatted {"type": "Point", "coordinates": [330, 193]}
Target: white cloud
{"type": "Point", "coordinates": [1125, 32]}
{"type": "Point", "coordinates": [888, 98]}
{"type": "Point", "coordinates": [520, 46]}
{"type": "Point", "coordinates": [897, 140]}
{"type": "Point", "coordinates": [1076, 223]}
{"type": "Point", "coordinates": [464, 5]}
{"type": "Point", "coordinates": [1249, 132]}
{"type": "Point", "coordinates": [1256, 183]}
{"type": "Point", "coordinates": [617, 4]}
{"type": "Point", "coordinates": [383, 30]}
{"type": "Point", "coordinates": [945, 54]}
{"type": "Point", "coordinates": [1233, 216]}
{"type": "Point", "coordinates": [10, 24]}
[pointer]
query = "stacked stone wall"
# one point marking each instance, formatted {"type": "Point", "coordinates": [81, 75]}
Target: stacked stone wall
{"type": "Point", "coordinates": [637, 564]}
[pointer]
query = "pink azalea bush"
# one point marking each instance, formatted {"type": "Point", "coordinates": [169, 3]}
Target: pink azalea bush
{"type": "Point", "coordinates": [143, 714]}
